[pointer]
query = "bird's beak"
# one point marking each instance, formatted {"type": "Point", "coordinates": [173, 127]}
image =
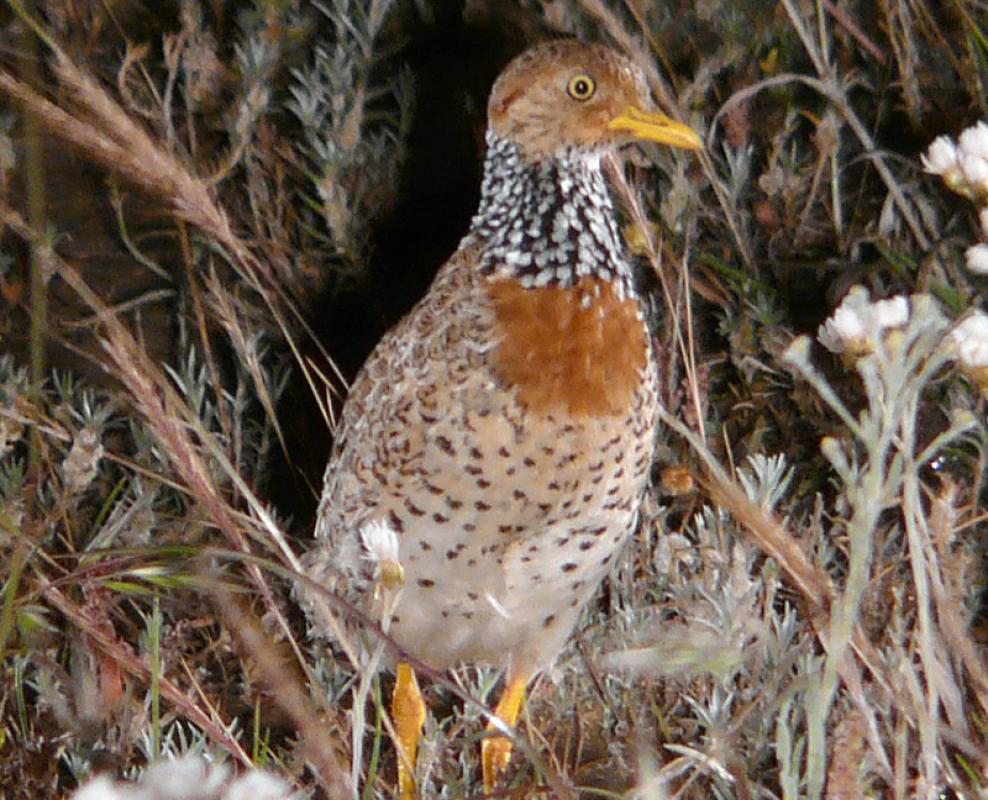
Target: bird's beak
{"type": "Point", "coordinates": [655, 126]}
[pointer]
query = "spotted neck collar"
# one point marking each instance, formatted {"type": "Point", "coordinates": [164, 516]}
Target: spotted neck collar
{"type": "Point", "coordinates": [548, 223]}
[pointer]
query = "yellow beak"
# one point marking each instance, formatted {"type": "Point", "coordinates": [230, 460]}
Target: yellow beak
{"type": "Point", "coordinates": [656, 127]}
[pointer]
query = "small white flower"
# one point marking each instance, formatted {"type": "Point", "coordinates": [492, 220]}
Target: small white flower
{"type": "Point", "coordinates": [188, 777]}
{"type": "Point", "coordinates": [974, 141]}
{"type": "Point", "coordinates": [99, 788]}
{"type": "Point", "coordinates": [974, 326]}
{"type": "Point", "coordinates": [970, 341]}
{"type": "Point", "coordinates": [973, 354]}
{"type": "Point", "coordinates": [977, 259]}
{"type": "Point", "coordinates": [846, 325]}
{"type": "Point", "coordinates": [975, 169]}
{"type": "Point", "coordinates": [257, 785]}
{"type": "Point", "coordinates": [891, 313]}
{"type": "Point", "coordinates": [941, 156]}
{"type": "Point", "coordinates": [858, 324]}
{"type": "Point", "coordinates": [380, 541]}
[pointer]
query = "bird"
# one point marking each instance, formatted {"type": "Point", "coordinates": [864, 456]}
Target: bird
{"type": "Point", "coordinates": [500, 436]}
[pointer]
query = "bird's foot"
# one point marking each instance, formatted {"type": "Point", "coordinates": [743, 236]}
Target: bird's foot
{"type": "Point", "coordinates": [496, 755]}
{"type": "Point", "coordinates": [495, 751]}
{"type": "Point", "coordinates": [408, 712]}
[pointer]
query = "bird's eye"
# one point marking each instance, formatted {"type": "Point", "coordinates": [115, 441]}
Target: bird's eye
{"type": "Point", "coordinates": [581, 87]}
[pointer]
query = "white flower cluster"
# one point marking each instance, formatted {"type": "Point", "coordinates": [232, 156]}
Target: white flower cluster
{"type": "Point", "coordinates": [859, 327]}
{"type": "Point", "coordinates": [964, 168]}
{"type": "Point", "coordinates": [964, 165]}
{"type": "Point", "coordinates": [188, 778]}
{"type": "Point", "coordinates": [858, 324]}
{"type": "Point", "coordinates": [968, 343]}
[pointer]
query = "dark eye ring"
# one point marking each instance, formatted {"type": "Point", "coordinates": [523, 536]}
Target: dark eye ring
{"type": "Point", "coordinates": [581, 87]}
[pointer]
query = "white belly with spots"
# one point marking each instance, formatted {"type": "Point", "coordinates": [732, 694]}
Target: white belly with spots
{"type": "Point", "coordinates": [524, 608]}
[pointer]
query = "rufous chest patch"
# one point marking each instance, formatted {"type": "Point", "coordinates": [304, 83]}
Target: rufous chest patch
{"type": "Point", "coordinates": [580, 350]}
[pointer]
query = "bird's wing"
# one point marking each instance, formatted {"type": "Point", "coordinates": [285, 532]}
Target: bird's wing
{"type": "Point", "coordinates": [403, 389]}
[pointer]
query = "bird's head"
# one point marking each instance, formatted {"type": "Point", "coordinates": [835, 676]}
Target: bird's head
{"type": "Point", "coordinates": [565, 95]}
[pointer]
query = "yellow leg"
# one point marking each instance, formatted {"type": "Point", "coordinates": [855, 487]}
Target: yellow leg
{"type": "Point", "coordinates": [408, 713]}
{"type": "Point", "coordinates": [496, 750]}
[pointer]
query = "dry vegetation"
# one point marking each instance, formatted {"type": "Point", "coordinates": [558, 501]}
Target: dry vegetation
{"type": "Point", "coordinates": [199, 207]}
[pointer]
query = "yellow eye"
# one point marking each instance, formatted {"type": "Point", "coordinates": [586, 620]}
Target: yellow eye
{"type": "Point", "coordinates": [581, 87]}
